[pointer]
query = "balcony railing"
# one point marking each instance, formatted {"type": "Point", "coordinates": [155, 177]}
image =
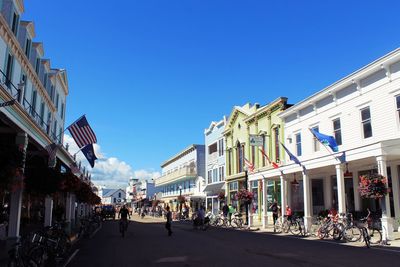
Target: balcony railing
{"type": "Point", "coordinates": [176, 175]}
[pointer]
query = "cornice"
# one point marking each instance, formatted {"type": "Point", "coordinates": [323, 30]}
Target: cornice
{"type": "Point", "coordinates": [179, 155]}
{"type": "Point", "coordinates": [12, 42]}
{"type": "Point", "coordinates": [381, 63]}
{"type": "Point", "coordinates": [267, 110]}
{"type": "Point", "coordinates": [39, 48]}
{"type": "Point", "coordinates": [30, 28]}
{"type": "Point", "coordinates": [20, 4]}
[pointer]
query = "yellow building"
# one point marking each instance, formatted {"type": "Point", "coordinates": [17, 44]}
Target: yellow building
{"type": "Point", "coordinates": [248, 130]}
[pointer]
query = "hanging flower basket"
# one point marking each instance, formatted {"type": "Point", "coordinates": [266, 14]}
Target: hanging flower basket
{"type": "Point", "coordinates": [221, 196]}
{"type": "Point", "coordinates": [245, 196]}
{"type": "Point", "coordinates": [373, 186]}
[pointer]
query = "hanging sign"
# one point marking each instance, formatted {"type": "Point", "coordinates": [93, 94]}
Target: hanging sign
{"type": "Point", "coordinates": [256, 140]}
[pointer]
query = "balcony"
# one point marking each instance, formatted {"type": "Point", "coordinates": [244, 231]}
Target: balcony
{"type": "Point", "coordinates": [176, 176]}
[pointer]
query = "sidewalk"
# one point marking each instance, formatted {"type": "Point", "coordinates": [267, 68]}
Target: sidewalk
{"type": "Point", "coordinates": [393, 244]}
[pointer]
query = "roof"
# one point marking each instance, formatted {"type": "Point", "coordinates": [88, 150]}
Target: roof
{"type": "Point", "coordinates": [110, 192]}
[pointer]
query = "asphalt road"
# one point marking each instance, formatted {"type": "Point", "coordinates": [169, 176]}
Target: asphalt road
{"type": "Point", "coordinates": [147, 244]}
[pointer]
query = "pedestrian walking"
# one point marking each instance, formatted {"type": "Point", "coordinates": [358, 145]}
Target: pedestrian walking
{"type": "Point", "coordinates": [275, 211]}
{"type": "Point", "coordinates": [225, 210]}
{"type": "Point", "coordinates": [169, 221]}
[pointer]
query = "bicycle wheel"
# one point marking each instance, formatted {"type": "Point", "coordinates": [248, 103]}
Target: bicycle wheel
{"type": "Point", "coordinates": [352, 233]}
{"type": "Point", "coordinates": [375, 236]}
{"type": "Point", "coordinates": [338, 231]}
{"type": "Point", "coordinates": [38, 256]}
{"type": "Point", "coordinates": [278, 226]}
{"type": "Point", "coordinates": [366, 237]}
{"type": "Point", "coordinates": [295, 228]}
{"type": "Point", "coordinates": [234, 223]}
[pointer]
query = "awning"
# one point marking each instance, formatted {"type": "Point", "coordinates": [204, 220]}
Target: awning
{"type": "Point", "coordinates": [214, 188]}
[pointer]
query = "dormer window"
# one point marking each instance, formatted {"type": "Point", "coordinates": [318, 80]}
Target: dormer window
{"type": "Point", "coordinates": [15, 22]}
{"type": "Point", "coordinates": [28, 45]}
{"type": "Point", "coordinates": [37, 66]}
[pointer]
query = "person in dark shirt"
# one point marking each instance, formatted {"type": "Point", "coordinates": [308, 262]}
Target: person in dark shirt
{"type": "Point", "coordinates": [124, 213]}
{"type": "Point", "coordinates": [169, 221]}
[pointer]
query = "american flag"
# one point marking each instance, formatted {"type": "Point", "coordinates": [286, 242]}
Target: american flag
{"type": "Point", "coordinates": [249, 165]}
{"type": "Point", "coordinates": [82, 133]}
{"type": "Point", "coordinates": [274, 164]}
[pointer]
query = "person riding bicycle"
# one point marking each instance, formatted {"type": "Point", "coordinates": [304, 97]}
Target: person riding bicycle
{"type": "Point", "coordinates": [124, 214]}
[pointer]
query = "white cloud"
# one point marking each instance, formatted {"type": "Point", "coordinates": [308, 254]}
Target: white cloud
{"type": "Point", "coordinates": [109, 171]}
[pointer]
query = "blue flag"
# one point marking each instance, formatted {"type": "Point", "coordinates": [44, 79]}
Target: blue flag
{"type": "Point", "coordinates": [88, 151]}
{"type": "Point", "coordinates": [291, 156]}
{"type": "Point", "coordinates": [326, 140]}
{"type": "Point", "coordinates": [342, 158]}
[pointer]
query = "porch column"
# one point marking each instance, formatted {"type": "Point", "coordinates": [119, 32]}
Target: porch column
{"type": "Point", "coordinates": [68, 208]}
{"type": "Point", "coordinates": [307, 201]}
{"type": "Point", "coordinates": [387, 221]}
{"type": "Point", "coordinates": [328, 192]}
{"type": "Point", "coordinates": [396, 193]}
{"type": "Point", "coordinates": [356, 185]}
{"type": "Point", "coordinates": [265, 205]}
{"type": "Point", "coordinates": [340, 188]}
{"type": "Point", "coordinates": [16, 197]}
{"type": "Point", "coordinates": [48, 211]}
{"type": "Point", "coordinates": [283, 195]}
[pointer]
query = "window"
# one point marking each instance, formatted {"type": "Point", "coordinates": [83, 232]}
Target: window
{"type": "Point", "coordinates": [212, 148]}
{"type": "Point", "coordinates": [15, 22]}
{"type": "Point", "coordinates": [42, 114]}
{"type": "Point", "coordinates": [233, 186]}
{"type": "Point", "coordinates": [298, 144]}
{"type": "Point", "coordinates": [62, 111]}
{"type": "Point", "coordinates": [221, 147]}
{"type": "Point", "coordinates": [209, 177]}
{"type": "Point", "coordinates": [215, 175]}
{"type": "Point", "coordinates": [277, 147]}
{"type": "Point", "coordinates": [366, 122]}
{"type": "Point", "coordinates": [57, 99]}
{"type": "Point", "coordinates": [119, 195]}
{"type": "Point", "coordinates": [253, 155]}
{"type": "Point", "coordinates": [230, 162]}
{"type": "Point", "coordinates": [9, 69]}
{"type": "Point", "coordinates": [55, 129]}
{"type": "Point", "coordinates": [240, 157]}
{"type": "Point", "coordinates": [221, 174]}
{"type": "Point", "coordinates": [33, 107]}
{"type": "Point", "coordinates": [398, 106]}
{"type": "Point", "coordinates": [337, 131]}
{"type": "Point", "coordinates": [23, 81]}
{"type": "Point", "coordinates": [45, 80]}
{"type": "Point", "coordinates": [265, 149]}
{"type": "Point", "coordinates": [28, 45]}
{"type": "Point", "coordinates": [37, 66]}
{"type": "Point", "coordinates": [315, 140]}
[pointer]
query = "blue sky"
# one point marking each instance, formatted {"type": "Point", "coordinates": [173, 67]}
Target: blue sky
{"type": "Point", "coordinates": [151, 75]}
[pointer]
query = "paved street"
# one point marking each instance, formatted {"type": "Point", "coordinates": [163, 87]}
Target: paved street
{"type": "Point", "coordinates": [147, 244]}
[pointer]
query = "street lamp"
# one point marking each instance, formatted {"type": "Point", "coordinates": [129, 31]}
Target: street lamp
{"type": "Point", "coordinates": [180, 199]}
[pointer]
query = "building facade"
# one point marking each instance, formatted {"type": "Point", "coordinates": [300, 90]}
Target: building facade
{"type": "Point", "coordinates": [183, 175]}
{"type": "Point", "coordinates": [251, 133]}
{"type": "Point", "coordinates": [115, 197]}
{"type": "Point", "coordinates": [362, 112]}
{"type": "Point", "coordinates": [35, 115]}
{"type": "Point", "coordinates": [215, 165]}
